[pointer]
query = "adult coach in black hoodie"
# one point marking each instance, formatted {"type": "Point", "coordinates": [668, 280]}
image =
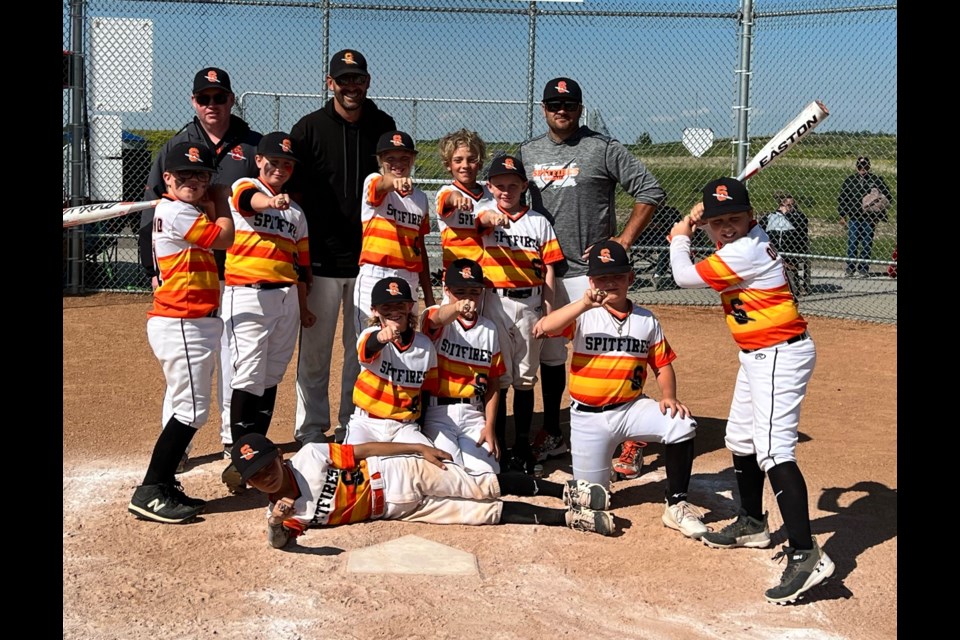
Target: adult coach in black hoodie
{"type": "Point", "coordinates": [336, 151]}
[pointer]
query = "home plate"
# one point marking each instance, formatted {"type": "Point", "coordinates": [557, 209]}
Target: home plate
{"type": "Point", "coordinates": [412, 554]}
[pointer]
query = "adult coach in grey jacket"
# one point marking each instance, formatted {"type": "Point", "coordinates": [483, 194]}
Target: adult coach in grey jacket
{"type": "Point", "coordinates": [336, 151]}
{"type": "Point", "coordinates": [573, 173]}
{"type": "Point", "coordinates": [234, 146]}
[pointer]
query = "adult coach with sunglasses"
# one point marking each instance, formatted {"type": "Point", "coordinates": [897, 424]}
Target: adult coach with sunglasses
{"type": "Point", "coordinates": [573, 173]}
{"type": "Point", "coordinates": [234, 146]}
{"type": "Point", "coordinates": [336, 147]}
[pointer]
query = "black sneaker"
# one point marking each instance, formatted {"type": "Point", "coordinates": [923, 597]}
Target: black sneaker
{"type": "Point", "coordinates": [742, 532]}
{"type": "Point", "coordinates": [805, 569]}
{"type": "Point", "coordinates": [520, 460]}
{"type": "Point", "coordinates": [160, 503]}
{"type": "Point", "coordinates": [177, 488]}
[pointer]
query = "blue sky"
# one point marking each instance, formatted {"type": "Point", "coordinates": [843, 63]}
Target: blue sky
{"type": "Point", "coordinates": [650, 74]}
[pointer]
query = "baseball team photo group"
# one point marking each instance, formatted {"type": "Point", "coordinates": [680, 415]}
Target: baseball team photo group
{"type": "Point", "coordinates": [352, 402]}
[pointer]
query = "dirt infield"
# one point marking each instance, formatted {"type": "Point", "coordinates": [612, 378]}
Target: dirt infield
{"type": "Point", "coordinates": [216, 577]}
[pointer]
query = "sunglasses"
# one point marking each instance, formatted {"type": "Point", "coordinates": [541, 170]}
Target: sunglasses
{"type": "Point", "coordinates": [350, 78]}
{"type": "Point", "coordinates": [202, 176]}
{"type": "Point", "coordinates": [556, 105]}
{"type": "Point", "coordinates": [204, 99]}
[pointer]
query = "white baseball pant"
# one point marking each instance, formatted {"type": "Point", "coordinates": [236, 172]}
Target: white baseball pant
{"type": "Point", "coordinates": [187, 351]}
{"type": "Point", "coordinates": [364, 428]}
{"type": "Point", "coordinates": [515, 319]}
{"type": "Point", "coordinates": [455, 428]}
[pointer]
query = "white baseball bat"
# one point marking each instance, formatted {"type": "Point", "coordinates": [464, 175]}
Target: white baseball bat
{"type": "Point", "coordinates": [800, 126]}
{"type": "Point", "coordinates": [87, 213]}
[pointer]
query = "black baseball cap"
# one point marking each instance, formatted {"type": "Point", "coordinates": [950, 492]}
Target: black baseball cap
{"type": "Point", "coordinates": [562, 89]}
{"type": "Point", "coordinates": [506, 165]}
{"type": "Point", "coordinates": [346, 62]}
{"type": "Point", "coordinates": [390, 290]}
{"type": "Point", "coordinates": [863, 162]}
{"type": "Point", "coordinates": [276, 144]}
{"type": "Point", "coordinates": [725, 195]}
{"type": "Point", "coordinates": [251, 453]}
{"type": "Point", "coordinates": [606, 258]}
{"type": "Point", "coordinates": [211, 78]}
{"type": "Point", "coordinates": [463, 273]}
{"type": "Point", "coordinates": [189, 156]}
{"type": "Point", "coordinates": [394, 140]}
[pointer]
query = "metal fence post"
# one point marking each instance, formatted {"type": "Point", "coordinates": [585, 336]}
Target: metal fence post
{"type": "Point", "coordinates": [746, 43]}
{"type": "Point", "coordinates": [326, 45]}
{"type": "Point", "coordinates": [77, 132]}
{"type": "Point", "coordinates": [531, 63]}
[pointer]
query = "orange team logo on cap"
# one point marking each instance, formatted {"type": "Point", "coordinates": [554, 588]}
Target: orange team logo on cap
{"type": "Point", "coordinates": [508, 163]}
{"type": "Point", "coordinates": [285, 146]}
{"type": "Point", "coordinates": [721, 193]}
{"type": "Point", "coordinates": [348, 58]}
{"type": "Point", "coordinates": [237, 153]}
{"type": "Point", "coordinates": [193, 155]}
{"type": "Point", "coordinates": [397, 140]}
{"type": "Point", "coordinates": [393, 289]}
{"type": "Point", "coordinates": [466, 273]}
{"type": "Point", "coordinates": [562, 87]}
{"type": "Point", "coordinates": [212, 76]}
{"type": "Point", "coordinates": [247, 452]}
{"type": "Point", "coordinates": [605, 255]}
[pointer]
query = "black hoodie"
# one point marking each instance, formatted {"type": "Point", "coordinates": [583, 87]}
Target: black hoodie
{"type": "Point", "coordinates": [334, 158]}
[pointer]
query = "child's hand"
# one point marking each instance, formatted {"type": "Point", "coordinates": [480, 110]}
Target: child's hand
{"type": "Point", "coordinates": [280, 201]}
{"type": "Point", "coordinates": [685, 227]}
{"type": "Point", "coordinates": [460, 202]}
{"type": "Point", "coordinates": [675, 407]}
{"type": "Point", "coordinates": [593, 298]}
{"type": "Point", "coordinates": [403, 186]}
{"type": "Point", "coordinates": [282, 510]}
{"type": "Point", "coordinates": [467, 309]}
{"type": "Point", "coordinates": [494, 219]}
{"type": "Point", "coordinates": [307, 318]}
{"type": "Point", "coordinates": [388, 334]}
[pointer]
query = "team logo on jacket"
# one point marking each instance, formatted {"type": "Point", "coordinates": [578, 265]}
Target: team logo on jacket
{"type": "Point", "coordinates": [605, 255]}
{"type": "Point", "coordinates": [562, 87]}
{"type": "Point", "coordinates": [348, 58]}
{"type": "Point", "coordinates": [393, 289]}
{"type": "Point", "coordinates": [721, 193]}
{"type": "Point", "coordinates": [193, 155]}
{"type": "Point", "coordinates": [237, 153]}
{"type": "Point", "coordinates": [247, 452]}
{"type": "Point", "coordinates": [212, 76]}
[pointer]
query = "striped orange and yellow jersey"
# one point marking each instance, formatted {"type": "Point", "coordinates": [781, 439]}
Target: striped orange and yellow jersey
{"type": "Point", "coordinates": [268, 244]}
{"type": "Point", "coordinates": [610, 354]}
{"type": "Point", "coordinates": [392, 227]}
{"type": "Point", "coordinates": [468, 355]}
{"type": "Point", "coordinates": [189, 285]}
{"type": "Point", "coordinates": [459, 230]}
{"type": "Point", "coordinates": [334, 487]}
{"type": "Point", "coordinates": [749, 274]}
{"type": "Point", "coordinates": [516, 257]}
{"type": "Point", "coordinates": [390, 383]}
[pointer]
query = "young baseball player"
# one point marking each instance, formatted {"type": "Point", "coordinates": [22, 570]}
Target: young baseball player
{"type": "Point", "coordinates": [192, 220]}
{"type": "Point", "coordinates": [614, 341]}
{"type": "Point", "coordinates": [459, 204]}
{"type": "Point", "coordinates": [461, 417]}
{"type": "Point", "coordinates": [394, 216]}
{"type": "Point", "coordinates": [520, 249]}
{"type": "Point", "coordinates": [397, 364]}
{"type": "Point", "coordinates": [776, 361]}
{"type": "Point", "coordinates": [331, 484]}
{"type": "Point", "coordinates": [261, 302]}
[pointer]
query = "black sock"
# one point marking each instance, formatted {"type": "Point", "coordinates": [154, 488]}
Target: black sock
{"type": "Point", "coordinates": [243, 413]}
{"type": "Point", "coordinates": [513, 483]}
{"type": "Point", "coordinates": [791, 491]}
{"type": "Point", "coordinates": [501, 425]}
{"type": "Point", "coordinates": [678, 459]}
{"type": "Point", "coordinates": [522, 417]}
{"type": "Point", "coordinates": [523, 513]}
{"type": "Point", "coordinates": [749, 484]}
{"type": "Point", "coordinates": [170, 447]}
{"type": "Point", "coordinates": [265, 410]}
{"type": "Point", "coordinates": [553, 379]}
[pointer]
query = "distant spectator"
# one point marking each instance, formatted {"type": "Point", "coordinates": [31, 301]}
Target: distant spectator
{"type": "Point", "coordinates": [861, 214]}
{"type": "Point", "coordinates": [788, 229]}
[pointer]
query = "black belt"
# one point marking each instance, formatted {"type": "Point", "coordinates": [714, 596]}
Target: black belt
{"type": "Point", "coordinates": [794, 339]}
{"type": "Point", "coordinates": [446, 401]}
{"type": "Point", "coordinates": [585, 408]}
{"type": "Point", "coordinates": [518, 294]}
{"type": "Point", "coordinates": [268, 285]}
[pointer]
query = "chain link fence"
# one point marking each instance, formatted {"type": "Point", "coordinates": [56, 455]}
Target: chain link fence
{"type": "Point", "coordinates": [670, 80]}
